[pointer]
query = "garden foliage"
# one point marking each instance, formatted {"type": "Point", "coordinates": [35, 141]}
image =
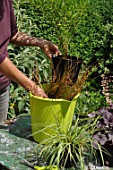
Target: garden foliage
{"type": "Point", "coordinates": [88, 28]}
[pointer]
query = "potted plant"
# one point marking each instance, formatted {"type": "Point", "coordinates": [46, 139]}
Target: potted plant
{"type": "Point", "coordinates": [64, 87]}
{"type": "Point", "coordinates": [58, 108]}
{"type": "Point", "coordinates": [104, 133]}
{"type": "Point", "coordinates": [67, 149]}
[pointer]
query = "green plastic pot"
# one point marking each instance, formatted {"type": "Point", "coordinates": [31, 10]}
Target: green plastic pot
{"type": "Point", "coordinates": [48, 113]}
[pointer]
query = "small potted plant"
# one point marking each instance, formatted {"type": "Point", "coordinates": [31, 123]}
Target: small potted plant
{"type": "Point", "coordinates": [67, 150]}
{"type": "Point", "coordinates": [104, 133]}
{"type": "Point", "coordinates": [58, 108]}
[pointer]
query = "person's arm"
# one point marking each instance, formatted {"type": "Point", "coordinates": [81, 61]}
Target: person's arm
{"type": "Point", "coordinates": [9, 69]}
{"type": "Point", "coordinates": [22, 39]}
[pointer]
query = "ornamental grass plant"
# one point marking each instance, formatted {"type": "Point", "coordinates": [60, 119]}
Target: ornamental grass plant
{"type": "Point", "coordinates": [63, 87]}
{"type": "Point", "coordinates": [68, 149]}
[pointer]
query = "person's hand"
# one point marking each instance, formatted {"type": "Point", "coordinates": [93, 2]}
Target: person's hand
{"type": "Point", "coordinates": [49, 48]}
{"type": "Point", "coordinates": [37, 91]}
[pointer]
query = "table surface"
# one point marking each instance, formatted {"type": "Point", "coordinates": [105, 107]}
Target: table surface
{"type": "Point", "coordinates": [15, 143]}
